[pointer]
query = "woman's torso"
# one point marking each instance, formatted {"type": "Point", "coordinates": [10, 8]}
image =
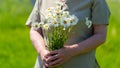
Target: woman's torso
{"type": "Point", "coordinates": [80, 32]}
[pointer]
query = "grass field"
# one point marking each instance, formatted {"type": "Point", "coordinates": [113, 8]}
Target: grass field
{"type": "Point", "coordinates": [16, 50]}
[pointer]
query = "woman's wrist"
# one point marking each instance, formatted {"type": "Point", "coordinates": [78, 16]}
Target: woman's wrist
{"type": "Point", "coordinates": [40, 51]}
{"type": "Point", "coordinates": [72, 49]}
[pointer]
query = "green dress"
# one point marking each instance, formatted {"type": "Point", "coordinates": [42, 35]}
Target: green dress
{"type": "Point", "coordinates": [96, 10]}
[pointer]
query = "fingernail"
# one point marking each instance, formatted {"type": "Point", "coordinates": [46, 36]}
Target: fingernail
{"type": "Point", "coordinates": [46, 65]}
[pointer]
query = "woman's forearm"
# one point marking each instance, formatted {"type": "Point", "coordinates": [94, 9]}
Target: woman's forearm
{"type": "Point", "coordinates": [91, 43]}
{"type": "Point", "coordinates": [37, 40]}
{"type": "Point", "coordinates": [87, 45]}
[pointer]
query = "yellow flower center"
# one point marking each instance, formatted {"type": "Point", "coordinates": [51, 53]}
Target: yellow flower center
{"type": "Point", "coordinates": [54, 16]}
{"type": "Point", "coordinates": [49, 9]}
{"type": "Point", "coordinates": [71, 20]}
{"type": "Point", "coordinates": [46, 26]}
{"type": "Point", "coordinates": [65, 22]}
{"type": "Point", "coordinates": [36, 25]}
{"type": "Point", "coordinates": [54, 22]}
{"type": "Point", "coordinates": [57, 11]}
{"type": "Point", "coordinates": [49, 15]}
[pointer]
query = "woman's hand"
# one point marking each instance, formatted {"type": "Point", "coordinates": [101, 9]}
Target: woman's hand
{"type": "Point", "coordinates": [57, 57]}
{"type": "Point", "coordinates": [43, 54]}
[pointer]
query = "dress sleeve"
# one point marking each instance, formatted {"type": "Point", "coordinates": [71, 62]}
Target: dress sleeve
{"type": "Point", "coordinates": [100, 12]}
{"type": "Point", "coordinates": [34, 16]}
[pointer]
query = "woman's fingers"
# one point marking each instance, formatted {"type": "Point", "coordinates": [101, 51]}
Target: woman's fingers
{"type": "Point", "coordinates": [52, 58]}
{"type": "Point", "coordinates": [51, 53]}
{"type": "Point", "coordinates": [55, 63]}
{"type": "Point", "coordinates": [44, 65]}
{"type": "Point", "coordinates": [57, 57]}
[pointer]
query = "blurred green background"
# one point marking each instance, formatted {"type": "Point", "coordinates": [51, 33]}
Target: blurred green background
{"type": "Point", "coordinates": [16, 50]}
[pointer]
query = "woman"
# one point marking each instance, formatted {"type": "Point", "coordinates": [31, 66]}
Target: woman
{"type": "Point", "coordinates": [79, 50]}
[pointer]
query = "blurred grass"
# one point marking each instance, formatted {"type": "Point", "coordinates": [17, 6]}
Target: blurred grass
{"type": "Point", "coordinates": [108, 54]}
{"type": "Point", "coordinates": [16, 50]}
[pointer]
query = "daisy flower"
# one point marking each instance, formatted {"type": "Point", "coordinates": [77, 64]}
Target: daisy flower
{"type": "Point", "coordinates": [35, 25]}
{"type": "Point", "coordinates": [65, 14]}
{"type": "Point", "coordinates": [46, 26]}
{"type": "Point", "coordinates": [73, 20]}
{"type": "Point", "coordinates": [41, 24]}
{"type": "Point", "coordinates": [65, 22]}
{"type": "Point", "coordinates": [54, 22]}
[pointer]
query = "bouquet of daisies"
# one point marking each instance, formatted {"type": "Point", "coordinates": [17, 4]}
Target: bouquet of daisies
{"type": "Point", "coordinates": [56, 26]}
